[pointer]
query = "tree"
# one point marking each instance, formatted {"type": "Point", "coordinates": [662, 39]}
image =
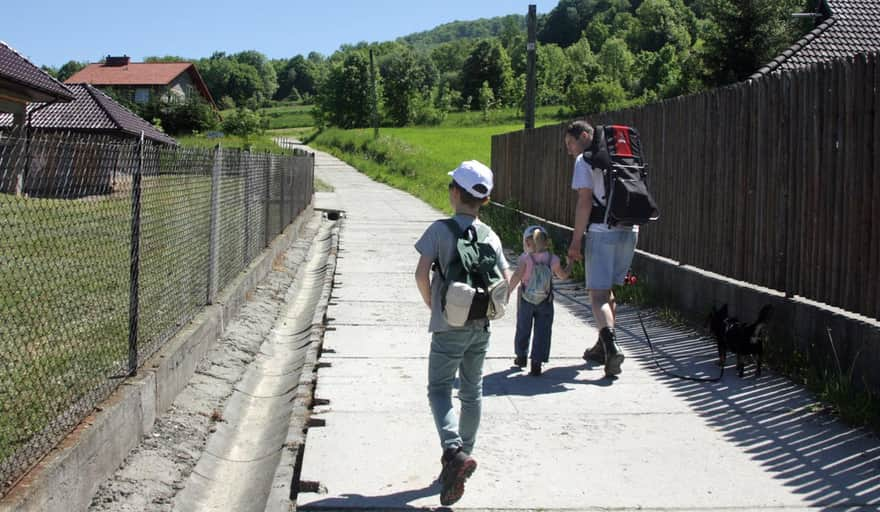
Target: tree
{"type": "Point", "coordinates": [264, 69]}
{"type": "Point", "coordinates": [344, 96]}
{"type": "Point", "coordinates": [166, 58]}
{"type": "Point", "coordinates": [664, 22]}
{"type": "Point", "coordinates": [616, 60]}
{"type": "Point", "coordinates": [69, 69]}
{"type": "Point", "coordinates": [400, 86]}
{"type": "Point", "coordinates": [488, 62]}
{"type": "Point", "coordinates": [743, 36]}
{"type": "Point", "coordinates": [602, 96]}
{"type": "Point", "coordinates": [563, 25]}
{"type": "Point", "coordinates": [551, 72]}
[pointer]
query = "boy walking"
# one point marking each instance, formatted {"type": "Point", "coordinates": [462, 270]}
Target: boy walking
{"type": "Point", "coordinates": [456, 349]}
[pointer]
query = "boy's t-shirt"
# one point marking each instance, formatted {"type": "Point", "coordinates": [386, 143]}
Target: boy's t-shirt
{"type": "Point", "coordinates": [543, 257]}
{"type": "Point", "coordinates": [438, 243]}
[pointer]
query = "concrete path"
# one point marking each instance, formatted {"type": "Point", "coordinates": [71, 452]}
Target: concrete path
{"type": "Point", "coordinates": [570, 439]}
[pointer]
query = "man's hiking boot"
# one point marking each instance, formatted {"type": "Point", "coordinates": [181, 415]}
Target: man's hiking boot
{"type": "Point", "coordinates": [520, 361]}
{"type": "Point", "coordinates": [596, 353]}
{"type": "Point", "coordinates": [457, 467]}
{"type": "Point", "coordinates": [613, 353]}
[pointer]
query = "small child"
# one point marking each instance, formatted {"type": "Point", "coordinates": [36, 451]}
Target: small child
{"type": "Point", "coordinates": [535, 269]}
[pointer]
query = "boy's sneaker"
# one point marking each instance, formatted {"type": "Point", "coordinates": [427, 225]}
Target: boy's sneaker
{"type": "Point", "coordinates": [457, 467]}
{"type": "Point", "coordinates": [520, 361]}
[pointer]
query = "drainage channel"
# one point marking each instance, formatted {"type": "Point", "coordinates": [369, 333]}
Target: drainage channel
{"type": "Point", "coordinates": [255, 445]}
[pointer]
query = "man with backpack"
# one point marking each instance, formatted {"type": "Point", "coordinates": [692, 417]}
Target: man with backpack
{"type": "Point", "coordinates": [467, 289]}
{"type": "Point", "coordinates": [608, 249]}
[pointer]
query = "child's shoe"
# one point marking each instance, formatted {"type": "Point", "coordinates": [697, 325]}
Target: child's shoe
{"type": "Point", "coordinates": [536, 369]}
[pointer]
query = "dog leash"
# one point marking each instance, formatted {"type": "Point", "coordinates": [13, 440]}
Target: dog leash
{"type": "Point", "coordinates": [651, 346]}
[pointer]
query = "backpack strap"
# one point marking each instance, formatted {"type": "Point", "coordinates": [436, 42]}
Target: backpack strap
{"type": "Point", "coordinates": [457, 233]}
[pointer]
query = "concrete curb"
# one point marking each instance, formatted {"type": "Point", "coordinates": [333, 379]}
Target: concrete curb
{"type": "Point", "coordinates": [285, 486]}
{"type": "Point", "coordinates": [67, 478]}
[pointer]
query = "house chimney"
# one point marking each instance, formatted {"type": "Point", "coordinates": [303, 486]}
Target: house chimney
{"type": "Point", "coordinates": [117, 61]}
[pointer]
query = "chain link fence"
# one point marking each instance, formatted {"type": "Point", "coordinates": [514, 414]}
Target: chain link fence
{"type": "Point", "coordinates": [108, 247]}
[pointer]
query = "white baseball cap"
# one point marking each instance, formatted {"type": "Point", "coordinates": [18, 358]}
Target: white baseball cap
{"type": "Point", "coordinates": [474, 177]}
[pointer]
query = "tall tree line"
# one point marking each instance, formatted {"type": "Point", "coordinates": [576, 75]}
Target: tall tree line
{"type": "Point", "coordinates": [592, 55]}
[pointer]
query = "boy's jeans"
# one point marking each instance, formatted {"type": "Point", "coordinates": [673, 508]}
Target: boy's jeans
{"type": "Point", "coordinates": [461, 350]}
{"type": "Point", "coordinates": [542, 317]}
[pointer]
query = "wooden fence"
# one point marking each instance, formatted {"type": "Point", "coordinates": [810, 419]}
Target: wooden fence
{"type": "Point", "coordinates": [773, 182]}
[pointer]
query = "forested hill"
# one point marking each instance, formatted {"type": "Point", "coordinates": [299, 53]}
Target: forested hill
{"type": "Point", "coordinates": [475, 29]}
{"type": "Point", "coordinates": [592, 56]}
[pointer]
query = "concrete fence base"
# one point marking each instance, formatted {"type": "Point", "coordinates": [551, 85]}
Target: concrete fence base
{"type": "Point", "coordinates": [67, 478]}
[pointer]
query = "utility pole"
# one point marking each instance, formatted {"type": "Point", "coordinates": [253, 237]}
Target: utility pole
{"type": "Point", "coordinates": [374, 115]}
{"type": "Point", "coordinates": [531, 48]}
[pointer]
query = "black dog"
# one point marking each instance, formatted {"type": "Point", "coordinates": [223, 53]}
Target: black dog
{"type": "Point", "coordinates": [738, 337]}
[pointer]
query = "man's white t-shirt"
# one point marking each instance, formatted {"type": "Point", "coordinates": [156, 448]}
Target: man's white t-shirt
{"type": "Point", "coordinates": [585, 176]}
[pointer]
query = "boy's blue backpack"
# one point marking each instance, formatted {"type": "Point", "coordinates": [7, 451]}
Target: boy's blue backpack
{"type": "Point", "coordinates": [473, 286]}
{"type": "Point", "coordinates": [540, 283]}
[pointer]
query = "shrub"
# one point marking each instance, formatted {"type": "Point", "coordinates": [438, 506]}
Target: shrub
{"type": "Point", "coordinates": [244, 122]}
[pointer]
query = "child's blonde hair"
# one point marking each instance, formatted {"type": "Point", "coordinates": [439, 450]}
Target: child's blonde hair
{"type": "Point", "coordinates": [538, 238]}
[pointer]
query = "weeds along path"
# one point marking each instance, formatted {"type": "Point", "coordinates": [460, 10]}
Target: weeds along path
{"type": "Point", "coordinates": [221, 440]}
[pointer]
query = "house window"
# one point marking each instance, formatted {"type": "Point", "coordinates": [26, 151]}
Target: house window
{"type": "Point", "coordinates": [141, 95]}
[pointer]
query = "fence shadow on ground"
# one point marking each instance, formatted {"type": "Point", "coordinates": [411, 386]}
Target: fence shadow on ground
{"type": "Point", "coordinates": [769, 417]}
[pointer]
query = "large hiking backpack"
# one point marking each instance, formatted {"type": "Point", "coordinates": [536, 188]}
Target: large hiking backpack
{"type": "Point", "coordinates": [473, 286]}
{"type": "Point", "coordinates": [540, 283]}
{"type": "Point", "coordinates": [617, 151]}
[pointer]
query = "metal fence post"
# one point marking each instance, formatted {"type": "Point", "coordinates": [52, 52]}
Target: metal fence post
{"type": "Point", "coordinates": [215, 225]}
{"type": "Point", "coordinates": [134, 268]}
{"type": "Point", "coordinates": [246, 168]}
{"type": "Point", "coordinates": [267, 176]}
{"type": "Point", "coordinates": [281, 208]}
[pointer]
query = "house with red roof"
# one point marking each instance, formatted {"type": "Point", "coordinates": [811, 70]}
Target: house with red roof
{"type": "Point", "coordinates": [141, 81]}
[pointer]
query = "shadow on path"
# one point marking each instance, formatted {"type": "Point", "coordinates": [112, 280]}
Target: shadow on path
{"type": "Point", "coordinates": [769, 417]}
{"type": "Point", "coordinates": [559, 379]}
{"type": "Point", "coordinates": [398, 500]}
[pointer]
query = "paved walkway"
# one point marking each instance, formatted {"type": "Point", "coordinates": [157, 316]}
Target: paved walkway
{"type": "Point", "coordinates": [569, 439]}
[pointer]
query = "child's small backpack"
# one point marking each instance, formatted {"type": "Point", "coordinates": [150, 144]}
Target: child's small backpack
{"type": "Point", "coordinates": [540, 283]}
{"type": "Point", "coordinates": [473, 287]}
{"type": "Point", "coordinates": [617, 151]}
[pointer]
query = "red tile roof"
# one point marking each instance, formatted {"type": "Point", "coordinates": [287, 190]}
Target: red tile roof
{"type": "Point", "coordinates": [852, 27]}
{"type": "Point", "coordinates": [91, 111]}
{"type": "Point", "coordinates": [139, 73]}
{"type": "Point", "coordinates": [28, 79]}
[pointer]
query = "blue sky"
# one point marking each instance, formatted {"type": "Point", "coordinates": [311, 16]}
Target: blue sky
{"type": "Point", "coordinates": [51, 32]}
